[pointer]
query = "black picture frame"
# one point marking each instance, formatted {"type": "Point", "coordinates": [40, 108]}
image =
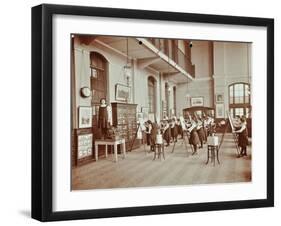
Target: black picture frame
{"type": "Point", "coordinates": [42, 107]}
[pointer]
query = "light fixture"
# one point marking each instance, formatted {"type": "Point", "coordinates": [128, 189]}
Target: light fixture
{"type": "Point", "coordinates": [127, 67]}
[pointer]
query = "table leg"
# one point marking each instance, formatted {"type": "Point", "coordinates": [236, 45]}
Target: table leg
{"type": "Point", "coordinates": [155, 153]}
{"type": "Point", "coordinates": [106, 153]}
{"type": "Point", "coordinates": [213, 156]}
{"type": "Point", "coordinates": [115, 152]}
{"type": "Point", "coordinates": [124, 150]}
{"type": "Point", "coordinates": [159, 151]}
{"type": "Point", "coordinates": [218, 155]}
{"type": "Point", "coordinates": [207, 155]}
{"type": "Point", "coordinates": [96, 152]}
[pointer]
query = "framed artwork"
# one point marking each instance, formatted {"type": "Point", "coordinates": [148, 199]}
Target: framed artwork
{"type": "Point", "coordinates": [85, 117]}
{"type": "Point", "coordinates": [122, 92]}
{"type": "Point", "coordinates": [219, 98]}
{"type": "Point", "coordinates": [197, 101]}
{"type": "Point", "coordinates": [220, 111]}
{"type": "Point", "coordinates": [139, 115]}
{"type": "Point", "coordinates": [68, 41]}
{"type": "Point", "coordinates": [145, 111]}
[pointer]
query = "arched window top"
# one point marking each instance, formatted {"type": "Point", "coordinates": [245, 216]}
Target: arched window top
{"type": "Point", "coordinates": [239, 93]}
{"type": "Point", "coordinates": [97, 60]}
{"type": "Point", "coordinates": [151, 80]}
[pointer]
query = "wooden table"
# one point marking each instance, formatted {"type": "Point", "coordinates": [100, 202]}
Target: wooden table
{"type": "Point", "coordinates": [107, 142]}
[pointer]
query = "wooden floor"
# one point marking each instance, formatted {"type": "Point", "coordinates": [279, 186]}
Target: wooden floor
{"type": "Point", "coordinates": [139, 169]}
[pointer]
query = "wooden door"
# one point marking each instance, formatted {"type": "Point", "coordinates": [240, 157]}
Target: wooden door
{"type": "Point", "coordinates": [98, 87]}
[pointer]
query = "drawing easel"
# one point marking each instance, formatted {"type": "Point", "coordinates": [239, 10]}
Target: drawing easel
{"type": "Point", "coordinates": [230, 122]}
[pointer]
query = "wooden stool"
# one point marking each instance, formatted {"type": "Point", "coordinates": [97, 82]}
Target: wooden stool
{"type": "Point", "coordinates": [158, 151]}
{"type": "Point", "coordinates": [213, 154]}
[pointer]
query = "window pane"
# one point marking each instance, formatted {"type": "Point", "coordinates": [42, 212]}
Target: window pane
{"type": "Point", "coordinates": [232, 112]}
{"type": "Point", "coordinates": [247, 90]}
{"type": "Point", "coordinates": [239, 111]}
{"type": "Point", "coordinates": [231, 91]}
{"type": "Point", "coordinates": [247, 100]}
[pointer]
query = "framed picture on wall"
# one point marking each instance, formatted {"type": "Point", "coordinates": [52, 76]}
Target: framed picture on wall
{"type": "Point", "coordinates": [219, 98]}
{"type": "Point", "coordinates": [197, 101]}
{"type": "Point", "coordinates": [85, 117]}
{"type": "Point", "coordinates": [68, 40]}
{"type": "Point", "coordinates": [145, 111]}
{"type": "Point", "coordinates": [220, 111]}
{"type": "Point", "coordinates": [122, 92]}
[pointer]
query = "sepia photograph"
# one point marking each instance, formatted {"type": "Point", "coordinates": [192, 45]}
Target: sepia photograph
{"type": "Point", "coordinates": [159, 112]}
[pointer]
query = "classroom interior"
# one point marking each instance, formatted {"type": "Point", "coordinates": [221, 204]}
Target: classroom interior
{"type": "Point", "coordinates": [158, 80]}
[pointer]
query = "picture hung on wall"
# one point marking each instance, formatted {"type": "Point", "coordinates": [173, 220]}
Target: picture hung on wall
{"type": "Point", "coordinates": [220, 111]}
{"type": "Point", "coordinates": [197, 101]}
{"type": "Point", "coordinates": [122, 92]}
{"type": "Point", "coordinates": [145, 111]}
{"type": "Point", "coordinates": [85, 117]}
{"type": "Point", "coordinates": [143, 74]}
{"type": "Point", "coordinates": [219, 98]}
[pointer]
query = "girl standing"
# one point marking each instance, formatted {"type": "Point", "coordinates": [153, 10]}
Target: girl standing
{"type": "Point", "coordinates": [104, 117]}
{"type": "Point", "coordinates": [243, 137]}
{"type": "Point", "coordinates": [194, 138]}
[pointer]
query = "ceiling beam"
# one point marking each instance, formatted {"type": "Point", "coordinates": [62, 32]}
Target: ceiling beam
{"type": "Point", "coordinates": [143, 63]}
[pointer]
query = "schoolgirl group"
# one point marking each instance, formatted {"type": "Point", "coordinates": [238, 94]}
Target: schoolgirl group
{"type": "Point", "coordinates": [196, 128]}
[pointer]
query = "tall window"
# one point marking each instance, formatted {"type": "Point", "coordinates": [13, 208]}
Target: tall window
{"type": "Point", "coordinates": [151, 94]}
{"type": "Point", "coordinates": [239, 99]}
{"type": "Point", "coordinates": [98, 67]}
{"type": "Point", "coordinates": [98, 77]}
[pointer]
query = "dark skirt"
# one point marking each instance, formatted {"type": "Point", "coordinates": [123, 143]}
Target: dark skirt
{"type": "Point", "coordinates": [180, 130]}
{"type": "Point", "coordinates": [148, 139]}
{"type": "Point", "coordinates": [201, 134]}
{"type": "Point", "coordinates": [167, 135]}
{"type": "Point", "coordinates": [174, 132]}
{"type": "Point", "coordinates": [103, 118]}
{"type": "Point", "coordinates": [194, 138]}
{"type": "Point", "coordinates": [151, 137]}
{"type": "Point", "coordinates": [243, 139]}
{"type": "Point", "coordinates": [206, 133]}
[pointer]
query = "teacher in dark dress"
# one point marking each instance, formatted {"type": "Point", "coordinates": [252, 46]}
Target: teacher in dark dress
{"type": "Point", "coordinates": [103, 123]}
